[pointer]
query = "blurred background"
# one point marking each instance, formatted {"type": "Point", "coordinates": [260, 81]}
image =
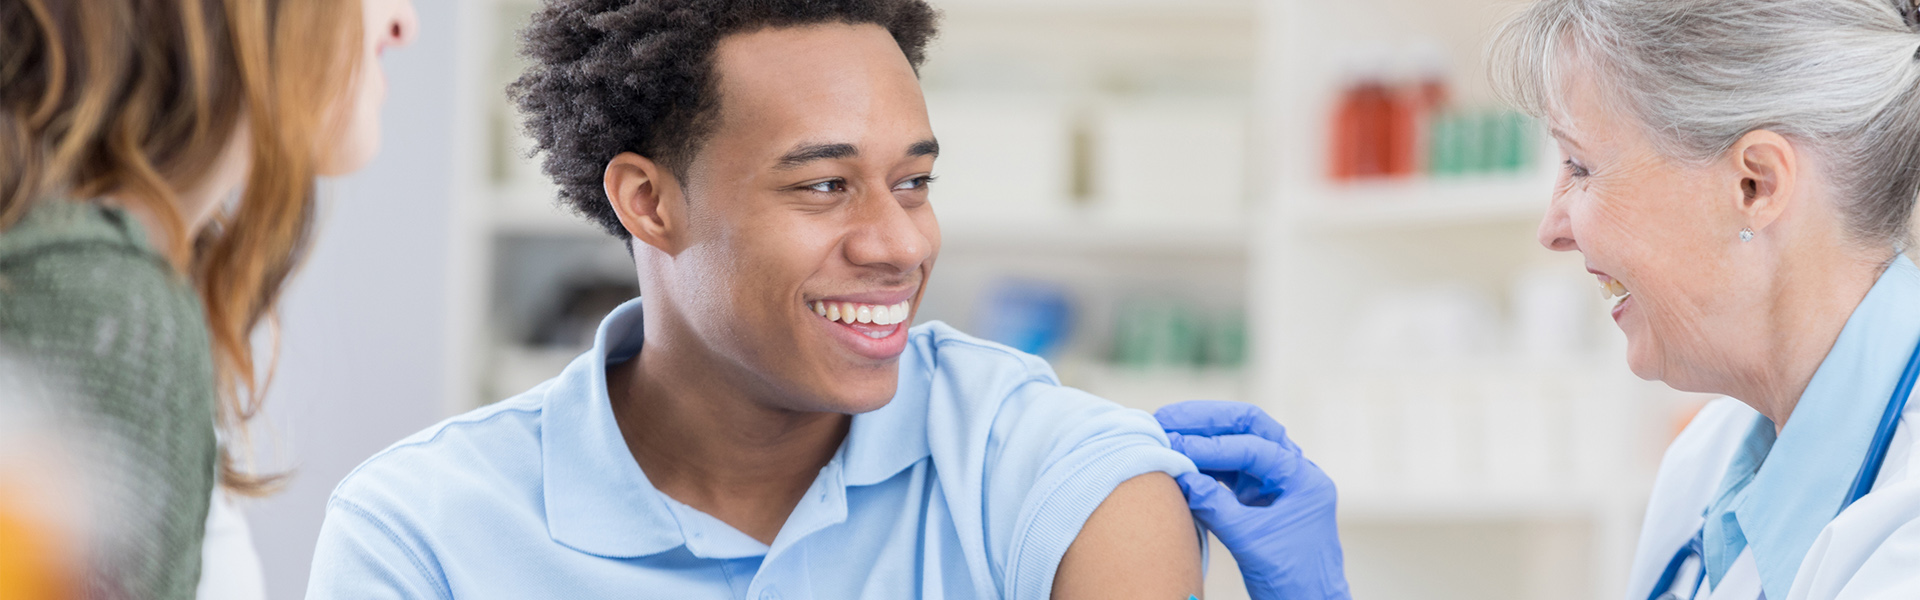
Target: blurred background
{"type": "Point", "coordinates": [1313, 206]}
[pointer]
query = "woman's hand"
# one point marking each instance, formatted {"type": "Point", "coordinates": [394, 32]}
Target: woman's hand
{"type": "Point", "coordinates": [1271, 507]}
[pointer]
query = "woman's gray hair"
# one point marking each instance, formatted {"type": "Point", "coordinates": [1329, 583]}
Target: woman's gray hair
{"type": "Point", "coordinates": [1837, 75]}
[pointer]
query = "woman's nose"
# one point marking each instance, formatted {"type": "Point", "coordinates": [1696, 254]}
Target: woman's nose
{"type": "Point", "coordinates": [401, 25]}
{"type": "Point", "coordinates": [1556, 229]}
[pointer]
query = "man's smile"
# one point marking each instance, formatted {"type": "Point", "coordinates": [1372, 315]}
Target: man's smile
{"type": "Point", "coordinates": [872, 325]}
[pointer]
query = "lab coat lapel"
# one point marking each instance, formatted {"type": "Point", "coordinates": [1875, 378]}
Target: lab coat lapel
{"type": "Point", "coordinates": [1688, 477]}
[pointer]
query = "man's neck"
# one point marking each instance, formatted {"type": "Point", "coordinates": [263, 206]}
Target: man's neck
{"type": "Point", "coordinates": [706, 442]}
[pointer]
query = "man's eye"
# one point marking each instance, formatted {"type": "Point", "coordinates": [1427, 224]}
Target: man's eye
{"type": "Point", "coordinates": [829, 186]}
{"type": "Point", "coordinates": [1575, 169]}
{"type": "Point", "coordinates": [915, 183]}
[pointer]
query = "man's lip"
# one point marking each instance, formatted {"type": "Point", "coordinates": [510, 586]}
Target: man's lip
{"type": "Point", "coordinates": [854, 339]}
{"type": "Point", "coordinates": [878, 298]}
{"type": "Point", "coordinates": [1602, 275]}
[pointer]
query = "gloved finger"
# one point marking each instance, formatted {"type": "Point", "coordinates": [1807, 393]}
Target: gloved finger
{"type": "Point", "coordinates": [1210, 502]}
{"type": "Point", "coordinates": [1254, 456]}
{"type": "Point", "coordinates": [1216, 417]}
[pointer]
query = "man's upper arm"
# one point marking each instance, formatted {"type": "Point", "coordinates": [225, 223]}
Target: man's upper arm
{"type": "Point", "coordinates": [1140, 543]}
{"type": "Point", "coordinates": [1072, 466]}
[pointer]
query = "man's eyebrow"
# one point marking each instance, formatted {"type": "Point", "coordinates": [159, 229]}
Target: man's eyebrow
{"type": "Point", "coordinates": [806, 153]}
{"type": "Point", "coordinates": [927, 147]}
{"type": "Point", "coordinates": [1562, 136]}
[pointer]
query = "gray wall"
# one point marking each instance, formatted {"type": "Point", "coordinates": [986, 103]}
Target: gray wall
{"type": "Point", "coordinates": [365, 343]}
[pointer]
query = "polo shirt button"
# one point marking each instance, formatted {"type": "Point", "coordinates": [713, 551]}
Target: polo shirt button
{"type": "Point", "coordinates": [769, 595]}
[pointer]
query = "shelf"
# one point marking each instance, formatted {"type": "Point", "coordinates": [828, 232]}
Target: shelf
{"type": "Point", "coordinates": [1425, 204]}
{"type": "Point", "coordinates": [1150, 389]}
{"type": "Point", "coordinates": [521, 212]}
{"type": "Point", "coordinates": [1481, 506]}
{"type": "Point", "coordinates": [1091, 234]}
{"type": "Point", "coordinates": [1082, 9]}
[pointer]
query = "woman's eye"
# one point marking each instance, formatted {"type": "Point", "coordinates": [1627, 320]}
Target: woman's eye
{"type": "Point", "coordinates": [829, 186]}
{"type": "Point", "coordinates": [915, 183]}
{"type": "Point", "coordinates": [1575, 169]}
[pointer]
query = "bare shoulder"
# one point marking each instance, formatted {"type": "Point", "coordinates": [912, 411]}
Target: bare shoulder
{"type": "Point", "coordinates": [1141, 543]}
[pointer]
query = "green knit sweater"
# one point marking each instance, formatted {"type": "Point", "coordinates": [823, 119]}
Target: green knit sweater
{"type": "Point", "coordinates": [100, 315]}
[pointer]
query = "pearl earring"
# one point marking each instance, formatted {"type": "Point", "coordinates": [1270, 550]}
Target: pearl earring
{"type": "Point", "coordinates": [1746, 235]}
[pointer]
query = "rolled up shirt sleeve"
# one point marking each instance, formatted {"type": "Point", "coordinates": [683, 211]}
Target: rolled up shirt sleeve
{"type": "Point", "coordinates": [1082, 448]}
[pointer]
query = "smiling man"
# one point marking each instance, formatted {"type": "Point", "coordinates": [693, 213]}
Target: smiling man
{"type": "Point", "coordinates": [765, 424]}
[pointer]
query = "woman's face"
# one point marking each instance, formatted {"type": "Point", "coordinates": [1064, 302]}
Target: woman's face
{"type": "Point", "coordinates": [1659, 231]}
{"type": "Point", "coordinates": [388, 24]}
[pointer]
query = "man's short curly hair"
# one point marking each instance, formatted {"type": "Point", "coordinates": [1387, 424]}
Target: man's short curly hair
{"type": "Point", "coordinates": [613, 76]}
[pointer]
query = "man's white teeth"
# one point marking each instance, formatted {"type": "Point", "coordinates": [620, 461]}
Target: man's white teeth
{"type": "Point", "coordinates": [850, 313]}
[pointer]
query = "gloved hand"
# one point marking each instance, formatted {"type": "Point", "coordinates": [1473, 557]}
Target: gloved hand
{"type": "Point", "coordinates": [1275, 511]}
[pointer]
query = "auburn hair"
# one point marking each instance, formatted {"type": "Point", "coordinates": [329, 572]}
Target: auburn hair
{"type": "Point", "coordinates": [139, 99]}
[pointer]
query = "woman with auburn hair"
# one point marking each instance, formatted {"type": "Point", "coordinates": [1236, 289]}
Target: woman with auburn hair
{"type": "Point", "coordinates": [157, 167]}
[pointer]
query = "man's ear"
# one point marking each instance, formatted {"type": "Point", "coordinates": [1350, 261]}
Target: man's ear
{"type": "Point", "coordinates": [647, 198]}
{"type": "Point", "coordinates": [1768, 167]}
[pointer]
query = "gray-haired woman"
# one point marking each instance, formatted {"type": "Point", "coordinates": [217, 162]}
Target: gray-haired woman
{"type": "Point", "coordinates": [1740, 176]}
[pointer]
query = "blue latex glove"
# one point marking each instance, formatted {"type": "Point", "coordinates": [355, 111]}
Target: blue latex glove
{"type": "Point", "coordinates": [1271, 507]}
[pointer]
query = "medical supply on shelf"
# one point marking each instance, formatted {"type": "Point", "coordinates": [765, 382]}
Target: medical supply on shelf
{"type": "Point", "coordinates": [1380, 122]}
{"type": "Point", "coordinates": [1168, 159]}
{"type": "Point", "coordinates": [1368, 134]}
{"type": "Point", "coordinates": [1468, 142]}
{"type": "Point", "coordinates": [1002, 156]}
{"type": "Point", "coordinates": [1031, 316]}
{"type": "Point", "coordinates": [1440, 322]}
{"type": "Point", "coordinates": [1475, 429]}
{"type": "Point", "coordinates": [1152, 333]}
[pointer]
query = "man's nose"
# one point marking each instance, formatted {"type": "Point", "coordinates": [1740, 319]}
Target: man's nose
{"type": "Point", "coordinates": [886, 235]}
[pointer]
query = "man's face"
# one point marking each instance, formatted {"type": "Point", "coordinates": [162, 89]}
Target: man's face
{"type": "Point", "coordinates": [811, 198]}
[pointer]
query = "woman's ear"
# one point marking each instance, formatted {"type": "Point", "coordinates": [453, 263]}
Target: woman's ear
{"type": "Point", "coordinates": [1768, 167]}
{"type": "Point", "coordinates": [647, 199]}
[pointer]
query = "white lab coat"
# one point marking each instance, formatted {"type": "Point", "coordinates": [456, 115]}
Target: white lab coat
{"type": "Point", "coordinates": [1870, 552]}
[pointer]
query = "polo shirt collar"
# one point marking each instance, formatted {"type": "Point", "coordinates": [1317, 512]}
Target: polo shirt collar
{"type": "Point", "coordinates": [1803, 480]}
{"type": "Point", "coordinates": [599, 501]}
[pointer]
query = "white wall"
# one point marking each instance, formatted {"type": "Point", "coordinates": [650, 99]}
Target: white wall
{"type": "Point", "coordinates": [365, 335]}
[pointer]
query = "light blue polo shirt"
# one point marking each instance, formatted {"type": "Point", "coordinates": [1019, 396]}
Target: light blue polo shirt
{"type": "Point", "coordinates": [970, 483]}
{"type": "Point", "coordinates": [1779, 493]}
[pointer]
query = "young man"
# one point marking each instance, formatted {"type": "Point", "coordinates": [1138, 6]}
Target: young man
{"type": "Point", "coordinates": [764, 425]}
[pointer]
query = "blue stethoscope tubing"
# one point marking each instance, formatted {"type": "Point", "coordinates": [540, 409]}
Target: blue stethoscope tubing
{"type": "Point", "coordinates": [1862, 481]}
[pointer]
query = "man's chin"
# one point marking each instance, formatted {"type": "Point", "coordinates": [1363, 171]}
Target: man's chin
{"type": "Point", "coordinates": [864, 399]}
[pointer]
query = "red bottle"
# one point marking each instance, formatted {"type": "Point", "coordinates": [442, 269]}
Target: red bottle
{"type": "Point", "coordinates": [1361, 131]}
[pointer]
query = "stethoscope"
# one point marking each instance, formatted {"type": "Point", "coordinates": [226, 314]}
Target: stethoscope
{"type": "Point", "coordinates": [1694, 550]}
